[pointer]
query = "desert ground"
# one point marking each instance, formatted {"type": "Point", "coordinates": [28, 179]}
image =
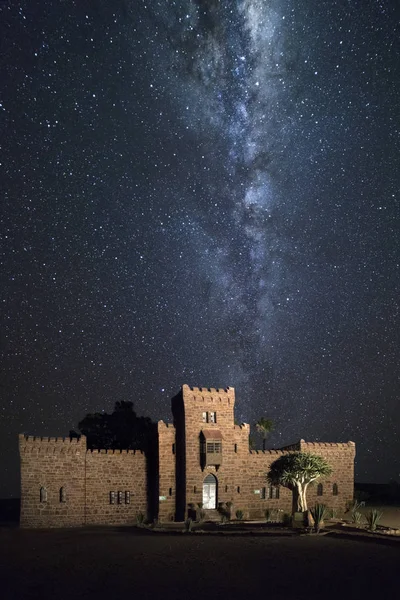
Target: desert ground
{"type": "Point", "coordinates": [117, 563]}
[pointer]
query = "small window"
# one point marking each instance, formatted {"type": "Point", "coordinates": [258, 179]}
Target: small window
{"type": "Point", "coordinates": [127, 497]}
{"type": "Point", "coordinates": [226, 488]}
{"type": "Point", "coordinates": [212, 417]}
{"type": "Point", "coordinates": [214, 447]}
{"type": "Point", "coordinates": [273, 492]}
{"type": "Point", "coordinates": [112, 497]}
{"type": "Point", "coordinates": [194, 489]}
{"type": "Point", "coordinates": [335, 489]}
{"type": "Point", "coordinates": [63, 494]}
{"type": "Point", "coordinates": [173, 448]}
{"type": "Point", "coordinates": [170, 491]}
{"type": "Point", "coordinates": [235, 447]}
{"type": "Point", "coordinates": [263, 493]}
{"type": "Point", "coordinates": [205, 420]}
{"type": "Point", "coordinates": [119, 497]}
{"type": "Point", "coordinates": [238, 489]}
{"type": "Point", "coordinates": [320, 489]}
{"type": "Point", "coordinates": [43, 494]}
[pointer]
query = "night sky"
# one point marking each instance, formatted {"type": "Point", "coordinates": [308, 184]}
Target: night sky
{"type": "Point", "coordinates": [202, 192]}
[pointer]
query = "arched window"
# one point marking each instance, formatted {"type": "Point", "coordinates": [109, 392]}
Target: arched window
{"type": "Point", "coordinates": [43, 494]}
{"type": "Point", "coordinates": [63, 494]}
{"type": "Point", "coordinates": [335, 489]}
{"type": "Point", "coordinates": [320, 489]}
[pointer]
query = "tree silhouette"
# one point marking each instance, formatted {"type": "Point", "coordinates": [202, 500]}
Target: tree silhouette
{"type": "Point", "coordinates": [120, 430]}
{"type": "Point", "coordinates": [264, 426]}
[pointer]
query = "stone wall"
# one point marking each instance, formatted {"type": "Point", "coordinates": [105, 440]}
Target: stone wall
{"type": "Point", "coordinates": [167, 471]}
{"type": "Point", "coordinates": [116, 487]}
{"type": "Point", "coordinates": [341, 457]}
{"type": "Point", "coordinates": [57, 467]}
{"type": "Point", "coordinates": [64, 485]}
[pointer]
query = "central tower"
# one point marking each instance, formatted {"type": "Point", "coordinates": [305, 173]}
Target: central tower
{"type": "Point", "coordinates": [207, 445]}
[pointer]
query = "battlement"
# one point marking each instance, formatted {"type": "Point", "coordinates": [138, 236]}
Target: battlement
{"type": "Point", "coordinates": [31, 443]}
{"type": "Point", "coordinates": [271, 453]}
{"type": "Point", "coordinates": [204, 394]}
{"type": "Point", "coordinates": [315, 445]}
{"type": "Point", "coordinates": [110, 452]}
{"type": "Point", "coordinates": [162, 425]}
{"type": "Point", "coordinates": [242, 426]}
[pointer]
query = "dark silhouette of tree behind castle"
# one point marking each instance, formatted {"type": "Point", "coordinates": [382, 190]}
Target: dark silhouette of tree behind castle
{"type": "Point", "coordinates": [121, 430]}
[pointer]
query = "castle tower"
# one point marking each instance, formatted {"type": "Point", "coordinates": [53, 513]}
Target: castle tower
{"type": "Point", "coordinates": [209, 447]}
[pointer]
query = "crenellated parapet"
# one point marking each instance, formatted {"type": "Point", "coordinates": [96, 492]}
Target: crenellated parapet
{"type": "Point", "coordinates": [163, 426]}
{"type": "Point", "coordinates": [305, 445]}
{"type": "Point", "coordinates": [111, 452]}
{"type": "Point", "coordinates": [222, 396]}
{"type": "Point", "coordinates": [51, 445]}
{"type": "Point", "coordinates": [268, 453]}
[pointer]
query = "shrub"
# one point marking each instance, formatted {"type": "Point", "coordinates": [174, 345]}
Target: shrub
{"type": "Point", "coordinates": [356, 517]}
{"type": "Point", "coordinates": [239, 514]}
{"type": "Point", "coordinates": [140, 519]}
{"type": "Point", "coordinates": [373, 518]}
{"type": "Point", "coordinates": [188, 525]}
{"type": "Point", "coordinates": [319, 513]}
{"type": "Point", "coordinates": [268, 515]}
{"type": "Point", "coordinates": [201, 515]}
{"type": "Point", "coordinates": [333, 513]}
{"type": "Point", "coordinates": [287, 519]}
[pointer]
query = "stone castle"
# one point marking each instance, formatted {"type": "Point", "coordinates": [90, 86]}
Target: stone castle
{"type": "Point", "coordinates": [203, 457]}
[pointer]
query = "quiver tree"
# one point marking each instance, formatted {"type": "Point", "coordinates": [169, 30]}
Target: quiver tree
{"type": "Point", "coordinates": [296, 471]}
{"type": "Point", "coordinates": [264, 426]}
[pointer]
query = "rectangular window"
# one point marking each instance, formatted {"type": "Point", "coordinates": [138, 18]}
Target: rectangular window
{"type": "Point", "coordinates": [263, 493]}
{"type": "Point", "coordinates": [235, 447]}
{"type": "Point", "coordinates": [205, 420]}
{"type": "Point", "coordinates": [226, 488]}
{"type": "Point", "coordinates": [127, 497]}
{"type": "Point", "coordinates": [273, 492]}
{"type": "Point", "coordinates": [238, 489]}
{"type": "Point", "coordinates": [170, 491]}
{"type": "Point", "coordinates": [214, 447]}
{"type": "Point", "coordinates": [112, 497]}
{"type": "Point", "coordinates": [173, 449]}
{"type": "Point", "coordinates": [119, 497]}
{"type": "Point", "coordinates": [212, 417]}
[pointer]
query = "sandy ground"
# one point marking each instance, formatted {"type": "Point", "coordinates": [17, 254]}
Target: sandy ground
{"type": "Point", "coordinates": [111, 563]}
{"type": "Point", "coordinates": [390, 517]}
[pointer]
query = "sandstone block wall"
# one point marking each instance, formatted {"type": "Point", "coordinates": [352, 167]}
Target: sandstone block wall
{"type": "Point", "coordinates": [122, 472]}
{"type": "Point", "coordinates": [52, 464]}
{"type": "Point", "coordinates": [167, 471]}
{"type": "Point", "coordinates": [341, 457]}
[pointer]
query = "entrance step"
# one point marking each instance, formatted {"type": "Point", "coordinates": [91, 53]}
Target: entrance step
{"type": "Point", "coordinates": [212, 515]}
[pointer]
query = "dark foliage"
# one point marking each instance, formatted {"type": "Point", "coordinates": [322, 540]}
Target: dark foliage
{"type": "Point", "coordinates": [120, 430]}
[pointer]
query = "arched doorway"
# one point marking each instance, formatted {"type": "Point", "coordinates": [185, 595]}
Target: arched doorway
{"type": "Point", "coordinates": [210, 492]}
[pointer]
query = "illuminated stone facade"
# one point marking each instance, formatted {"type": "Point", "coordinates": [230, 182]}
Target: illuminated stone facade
{"type": "Point", "coordinates": [203, 458]}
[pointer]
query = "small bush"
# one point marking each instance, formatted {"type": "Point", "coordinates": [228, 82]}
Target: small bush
{"type": "Point", "coordinates": [356, 517]}
{"type": "Point", "coordinates": [287, 519]}
{"type": "Point", "coordinates": [188, 525]}
{"type": "Point", "coordinates": [373, 518]}
{"type": "Point", "coordinates": [319, 513]}
{"type": "Point", "coordinates": [239, 514]}
{"type": "Point", "coordinates": [201, 515]}
{"type": "Point", "coordinates": [268, 515]}
{"type": "Point", "coordinates": [333, 513]}
{"type": "Point", "coordinates": [140, 518]}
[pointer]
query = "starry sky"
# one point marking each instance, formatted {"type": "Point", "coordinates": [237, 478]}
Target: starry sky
{"type": "Point", "coordinates": [202, 192]}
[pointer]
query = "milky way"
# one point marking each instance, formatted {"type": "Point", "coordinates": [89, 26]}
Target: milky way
{"type": "Point", "coordinates": [202, 192]}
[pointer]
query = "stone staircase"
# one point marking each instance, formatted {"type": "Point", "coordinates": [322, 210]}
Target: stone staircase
{"type": "Point", "coordinates": [212, 515]}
